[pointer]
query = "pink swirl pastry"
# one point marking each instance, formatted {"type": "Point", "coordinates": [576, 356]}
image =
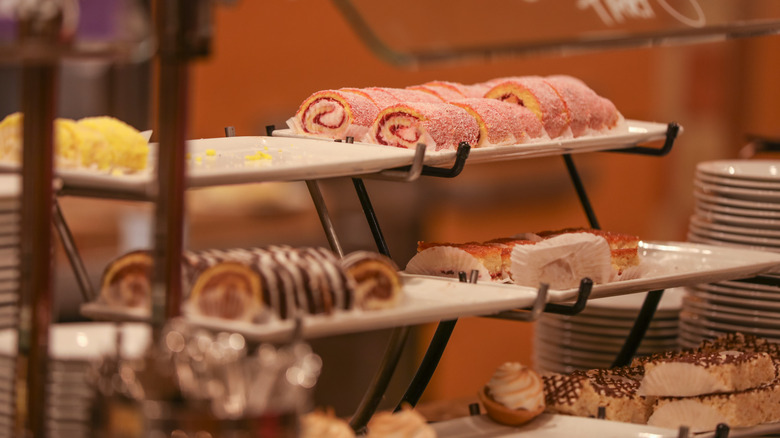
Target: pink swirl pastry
{"type": "Point", "coordinates": [448, 91]}
{"type": "Point", "coordinates": [588, 110]}
{"type": "Point", "coordinates": [406, 423]}
{"type": "Point", "coordinates": [536, 94]}
{"type": "Point", "coordinates": [335, 114]}
{"type": "Point", "coordinates": [384, 96]}
{"type": "Point", "coordinates": [501, 123]}
{"type": "Point", "coordinates": [514, 394]}
{"type": "Point", "coordinates": [438, 125]}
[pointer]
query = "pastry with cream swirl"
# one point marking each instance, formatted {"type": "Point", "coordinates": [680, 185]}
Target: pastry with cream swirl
{"type": "Point", "coordinates": [514, 395]}
{"type": "Point", "coordinates": [319, 424]}
{"type": "Point", "coordinates": [406, 423]}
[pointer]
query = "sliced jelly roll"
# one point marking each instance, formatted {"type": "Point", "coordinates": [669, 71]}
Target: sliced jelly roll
{"type": "Point", "coordinates": [376, 279]}
{"type": "Point", "coordinates": [386, 96]}
{"type": "Point", "coordinates": [301, 281]}
{"type": "Point", "coordinates": [440, 126]}
{"type": "Point", "coordinates": [126, 281]}
{"type": "Point", "coordinates": [222, 284]}
{"type": "Point", "coordinates": [588, 111]}
{"type": "Point", "coordinates": [501, 123]}
{"type": "Point", "coordinates": [335, 114]}
{"type": "Point", "coordinates": [536, 94]}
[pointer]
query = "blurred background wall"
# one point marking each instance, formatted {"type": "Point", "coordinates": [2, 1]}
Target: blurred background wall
{"type": "Point", "coordinates": [269, 56]}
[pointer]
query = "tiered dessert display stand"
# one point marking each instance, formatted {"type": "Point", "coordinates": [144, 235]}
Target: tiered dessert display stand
{"type": "Point", "coordinates": [182, 36]}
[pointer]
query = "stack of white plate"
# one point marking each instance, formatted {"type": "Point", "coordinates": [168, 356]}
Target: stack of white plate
{"type": "Point", "coordinates": [9, 258]}
{"type": "Point", "coordinates": [69, 395]}
{"type": "Point", "coordinates": [737, 205]}
{"type": "Point", "coordinates": [594, 337]}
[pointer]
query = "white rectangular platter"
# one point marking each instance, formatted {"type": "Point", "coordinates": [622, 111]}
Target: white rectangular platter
{"type": "Point", "coordinates": [674, 264]}
{"type": "Point", "coordinates": [221, 161]}
{"type": "Point", "coordinates": [554, 426]}
{"type": "Point", "coordinates": [548, 426]}
{"type": "Point", "coordinates": [632, 133]}
{"type": "Point", "coordinates": [430, 299]}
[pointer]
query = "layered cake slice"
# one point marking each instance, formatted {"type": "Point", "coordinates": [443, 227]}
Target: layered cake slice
{"type": "Point", "coordinates": [583, 393]}
{"type": "Point", "coordinates": [706, 373]}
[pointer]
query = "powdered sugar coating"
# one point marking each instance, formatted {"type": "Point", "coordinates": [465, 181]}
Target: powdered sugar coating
{"type": "Point", "coordinates": [494, 124]}
{"type": "Point", "coordinates": [384, 97]}
{"type": "Point", "coordinates": [601, 112]}
{"type": "Point", "coordinates": [439, 125]}
{"type": "Point", "coordinates": [536, 94]}
{"type": "Point", "coordinates": [335, 114]}
{"type": "Point", "coordinates": [446, 94]}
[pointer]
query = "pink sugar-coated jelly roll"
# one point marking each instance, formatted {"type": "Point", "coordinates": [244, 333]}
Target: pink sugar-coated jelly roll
{"type": "Point", "coordinates": [446, 94]}
{"type": "Point", "coordinates": [384, 97]}
{"type": "Point", "coordinates": [534, 93]}
{"type": "Point", "coordinates": [580, 102]}
{"type": "Point", "coordinates": [602, 113]}
{"type": "Point", "coordinates": [501, 123]}
{"type": "Point", "coordinates": [438, 125]}
{"type": "Point", "coordinates": [335, 114]}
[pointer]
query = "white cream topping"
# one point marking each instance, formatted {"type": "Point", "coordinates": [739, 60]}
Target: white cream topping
{"type": "Point", "coordinates": [406, 423]}
{"type": "Point", "coordinates": [517, 387]}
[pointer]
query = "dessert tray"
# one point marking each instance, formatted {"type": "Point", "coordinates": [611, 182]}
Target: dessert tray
{"type": "Point", "coordinates": [289, 157]}
{"type": "Point", "coordinates": [553, 426]}
{"type": "Point", "coordinates": [631, 133]}
{"type": "Point", "coordinates": [429, 299]}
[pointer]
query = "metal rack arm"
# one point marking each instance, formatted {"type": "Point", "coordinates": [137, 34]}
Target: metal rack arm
{"type": "Point", "coordinates": [671, 135]}
{"type": "Point", "coordinates": [368, 210]}
{"type": "Point", "coordinates": [378, 387]}
{"type": "Point", "coordinates": [457, 167]}
{"type": "Point", "coordinates": [581, 194]}
{"type": "Point", "coordinates": [72, 252]}
{"type": "Point", "coordinates": [322, 212]}
{"type": "Point", "coordinates": [583, 293]}
{"type": "Point", "coordinates": [638, 330]}
{"type": "Point", "coordinates": [527, 315]}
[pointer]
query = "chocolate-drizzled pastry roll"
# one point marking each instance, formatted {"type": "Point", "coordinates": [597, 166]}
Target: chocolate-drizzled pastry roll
{"type": "Point", "coordinates": [227, 290]}
{"type": "Point", "coordinates": [126, 281]}
{"type": "Point", "coordinates": [377, 284]}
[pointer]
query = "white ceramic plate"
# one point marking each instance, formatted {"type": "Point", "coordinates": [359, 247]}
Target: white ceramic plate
{"type": "Point", "coordinates": [738, 182]}
{"type": "Point", "coordinates": [548, 340]}
{"type": "Point", "coordinates": [737, 203]}
{"type": "Point", "coordinates": [763, 242]}
{"type": "Point", "coordinates": [753, 231]}
{"type": "Point", "coordinates": [713, 207]}
{"type": "Point", "coordinates": [744, 221]}
{"type": "Point", "coordinates": [548, 426]}
{"type": "Point", "coordinates": [728, 300]}
{"type": "Point", "coordinates": [670, 303]}
{"type": "Point", "coordinates": [696, 238]}
{"type": "Point", "coordinates": [692, 301]}
{"type": "Point", "coordinates": [86, 341]}
{"type": "Point", "coordinates": [754, 284]}
{"type": "Point", "coordinates": [570, 337]}
{"type": "Point", "coordinates": [633, 133]}
{"type": "Point", "coordinates": [626, 322]}
{"type": "Point", "coordinates": [758, 170]}
{"type": "Point", "coordinates": [601, 330]}
{"type": "Point", "coordinates": [755, 195]}
{"type": "Point", "coordinates": [771, 322]}
{"type": "Point", "coordinates": [700, 321]}
{"type": "Point", "coordinates": [292, 160]}
{"type": "Point", "coordinates": [740, 292]}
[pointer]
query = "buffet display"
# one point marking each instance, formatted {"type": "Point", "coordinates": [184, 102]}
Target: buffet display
{"type": "Point", "coordinates": [281, 293]}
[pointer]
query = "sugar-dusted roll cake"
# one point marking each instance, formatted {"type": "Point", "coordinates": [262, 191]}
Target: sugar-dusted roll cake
{"type": "Point", "coordinates": [449, 91]}
{"type": "Point", "coordinates": [501, 123]}
{"type": "Point", "coordinates": [589, 112]}
{"type": "Point", "coordinates": [335, 114]}
{"type": "Point", "coordinates": [255, 284]}
{"type": "Point", "coordinates": [440, 126]}
{"type": "Point", "coordinates": [536, 94]}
